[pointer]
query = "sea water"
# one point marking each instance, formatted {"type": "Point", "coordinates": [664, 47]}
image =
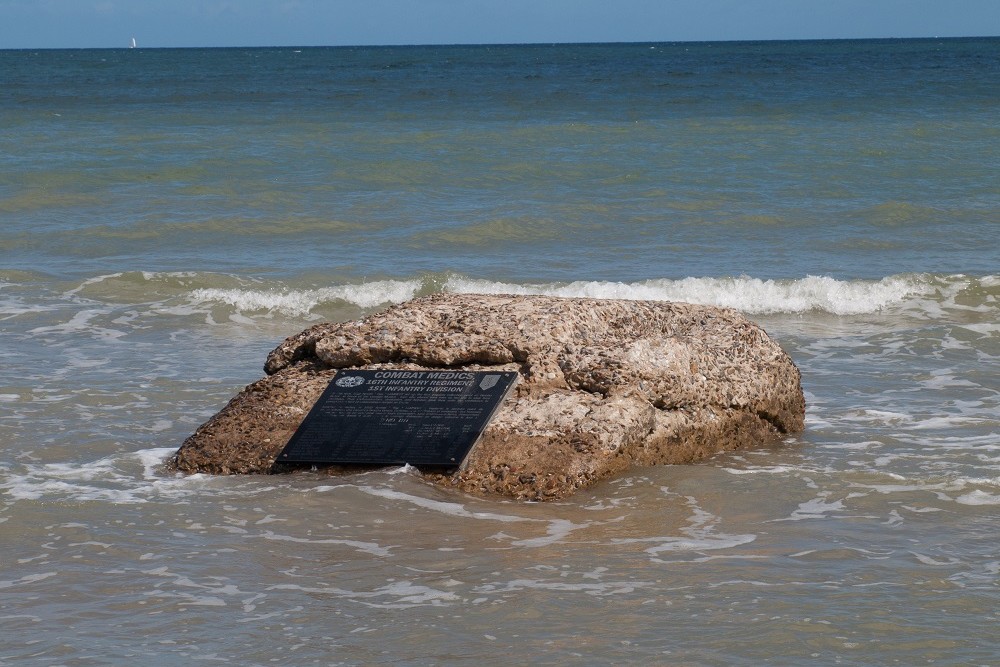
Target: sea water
{"type": "Point", "coordinates": [169, 216]}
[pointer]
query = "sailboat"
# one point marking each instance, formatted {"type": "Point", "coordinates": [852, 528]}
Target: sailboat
{"type": "Point", "coordinates": [132, 45]}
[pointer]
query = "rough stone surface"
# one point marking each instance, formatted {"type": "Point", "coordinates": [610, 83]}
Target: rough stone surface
{"type": "Point", "coordinates": [605, 385]}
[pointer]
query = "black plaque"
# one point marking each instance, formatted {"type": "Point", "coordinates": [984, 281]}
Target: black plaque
{"type": "Point", "coordinates": [387, 417]}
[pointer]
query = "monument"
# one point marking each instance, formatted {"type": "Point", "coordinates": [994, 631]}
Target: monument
{"type": "Point", "coordinates": [602, 386]}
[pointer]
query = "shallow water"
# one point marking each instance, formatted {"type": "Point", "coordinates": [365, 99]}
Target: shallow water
{"type": "Point", "coordinates": [169, 216]}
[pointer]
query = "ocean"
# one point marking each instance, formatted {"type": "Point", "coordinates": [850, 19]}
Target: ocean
{"type": "Point", "coordinates": [168, 216]}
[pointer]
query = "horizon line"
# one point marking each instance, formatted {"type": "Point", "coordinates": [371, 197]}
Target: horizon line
{"type": "Point", "coordinates": [498, 44]}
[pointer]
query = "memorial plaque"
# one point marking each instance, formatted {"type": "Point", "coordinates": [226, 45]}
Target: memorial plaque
{"type": "Point", "coordinates": [388, 417]}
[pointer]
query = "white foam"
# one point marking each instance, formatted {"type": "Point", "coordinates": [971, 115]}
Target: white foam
{"type": "Point", "coordinates": [92, 281]}
{"type": "Point", "coordinates": [28, 579]}
{"type": "Point", "coordinates": [698, 536]}
{"type": "Point", "coordinates": [12, 307]}
{"type": "Point", "coordinates": [451, 509]}
{"type": "Point", "coordinates": [159, 275]}
{"type": "Point", "coordinates": [978, 497]}
{"type": "Point", "coordinates": [556, 530]}
{"type": "Point", "coordinates": [971, 496]}
{"type": "Point", "coordinates": [400, 594]}
{"type": "Point", "coordinates": [367, 547]}
{"type": "Point", "coordinates": [37, 489]}
{"type": "Point", "coordinates": [946, 379]}
{"type": "Point", "coordinates": [982, 328]}
{"type": "Point", "coordinates": [151, 459]}
{"type": "Point", "coordinates": [928, 560]}
{"type": "Point", "coordinates": [772, 470]}
{"type": "Point", "coordinates": [300, 303]}
{"type": "Point", "coordinates": [979, 481]}
{"type": "Point", "coordinates": [704, 542]}
{"type": "Point", "coordinates": [128, 478]}
{"type": "Point", "coordinates": [746, 294]}
{"type": "Point", "coordinates": [410, 594]}
{"type": "Point", "coordinates": [81, 322]}
{"type": "Point", "coordinates": [945, 423]}
{"type": "Point", "coordinates": [817, 508]}
{"type": "Point", "coordinates": [854, 446]}
{"type": "Point", "coordinates": [918, 295]}
{"type": "Point", "coordinates": [609, 588]}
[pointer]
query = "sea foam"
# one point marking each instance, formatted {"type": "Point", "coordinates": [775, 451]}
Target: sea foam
{"type": "Point", "coordinates": [749, 295]}
{"type": "Point", "coordinates": [925, 296]}
{"type": "Point", "coordinates": [299, 303]}
{"type": "Point", "coordinates": [746, 294]}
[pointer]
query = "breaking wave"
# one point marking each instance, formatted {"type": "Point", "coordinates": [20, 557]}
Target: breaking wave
{"type": "Point", "coordinates": [925, 296]}
{"type": "Point", "coordinates": [749, 295]}
{"type": "Point", "coordinates": [921, 292]}
{"type": "Point", "coordinates": [300, 303]}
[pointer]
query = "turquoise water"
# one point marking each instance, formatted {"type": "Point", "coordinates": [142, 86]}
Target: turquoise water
{"type": "Point", "coordinates": [168, 216]}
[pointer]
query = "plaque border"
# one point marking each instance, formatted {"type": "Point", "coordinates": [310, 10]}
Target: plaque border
{"type": "Point", "coordinates": [315, 411]}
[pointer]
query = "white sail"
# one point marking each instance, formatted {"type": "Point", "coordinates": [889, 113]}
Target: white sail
{"type": "Point", "coordinates": [133, 43]}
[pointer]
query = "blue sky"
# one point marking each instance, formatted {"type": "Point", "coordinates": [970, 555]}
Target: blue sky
{"type": "Point", "coordinates": [154, 23]}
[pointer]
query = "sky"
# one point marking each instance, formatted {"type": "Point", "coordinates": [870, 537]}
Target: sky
{"type": "Point", "coordinates": [184, 23]}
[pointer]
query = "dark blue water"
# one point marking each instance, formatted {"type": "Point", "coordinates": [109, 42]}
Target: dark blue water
{"type": "Point", "coordinates": [852, 159]}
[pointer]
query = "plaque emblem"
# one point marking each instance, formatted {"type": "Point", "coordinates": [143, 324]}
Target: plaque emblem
{"type": "Point", "coordinates": [350, 381]}
{"type": "Point", "coordinates": [489, 382]}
